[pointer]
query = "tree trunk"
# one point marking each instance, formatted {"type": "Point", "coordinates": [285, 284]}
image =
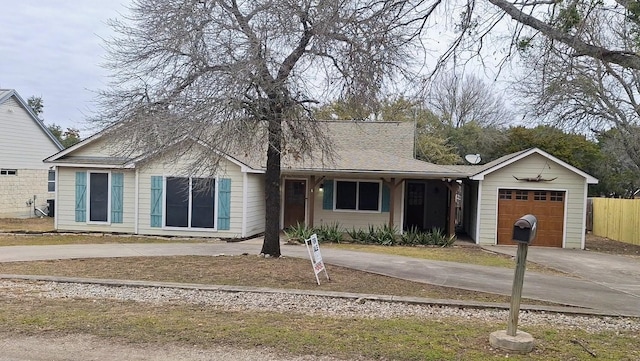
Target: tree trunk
{"type": "Point", "coordinates": [271, 244]}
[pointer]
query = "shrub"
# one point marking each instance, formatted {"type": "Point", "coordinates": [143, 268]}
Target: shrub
{"type": "Point", "coordinates": [298, 233]}
{"type": "Point", "coordinates": [329, 233]}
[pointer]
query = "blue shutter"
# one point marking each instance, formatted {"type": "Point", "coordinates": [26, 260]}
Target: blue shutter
{"type": "Point", "coordinates": [224, 204]}
{"type": "Point", "coordinates": [327, 194]}
{"type": "Point", "coordinates": [156, 201]}
{"type": "Point", "coordinates": [117, 185]}
{"type": "Point", "coordinates": [81, 196]}
{"type": "Point", "coordinates": [386, 198]}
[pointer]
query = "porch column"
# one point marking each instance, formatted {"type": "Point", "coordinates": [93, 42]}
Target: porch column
{"type": "Point", "coordinates": [392, 198]}
{"type": "Point", "coordinates": [311, 204]}
{"type": "Point", "coordinates": [392, 201]}
{"type": "Point", "coordinates": [453, 189]}
{"type": "Point", "coordinates": [312, 200]}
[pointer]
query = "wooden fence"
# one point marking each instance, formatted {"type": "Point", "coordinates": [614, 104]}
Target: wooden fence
{"type": "Point", "coordinates": [616, 218]}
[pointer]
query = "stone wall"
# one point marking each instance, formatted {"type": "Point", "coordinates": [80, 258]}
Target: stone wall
{"type": "Point", "coordinates": [17, 190]}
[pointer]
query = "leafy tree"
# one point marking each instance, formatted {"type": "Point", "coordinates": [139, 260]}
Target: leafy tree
{"type": "Point", "coordinates": [618, 175]}
{"type": "Point", "coordinates": [36, 104]}
{"type": "Point", "coordinates": [68, 137]}
{"type": "Point", "coordinates": [572, 148]}
{"type": "Point", "coordinates": [234, 75]}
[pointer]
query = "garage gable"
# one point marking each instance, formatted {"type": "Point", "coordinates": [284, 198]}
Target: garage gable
{"type": "Point", "coordinates": [535, 182]}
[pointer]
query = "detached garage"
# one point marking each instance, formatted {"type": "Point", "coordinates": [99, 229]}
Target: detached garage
{"type": "Point", "coordinates": [531, 181]}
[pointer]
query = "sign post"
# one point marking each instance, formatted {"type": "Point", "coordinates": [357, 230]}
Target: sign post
{"type": "Point", "coordinates": [316, 258]}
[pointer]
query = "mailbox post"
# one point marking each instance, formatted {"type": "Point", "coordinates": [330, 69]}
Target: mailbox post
{"type": "Point", "coordinates": [524, 232]}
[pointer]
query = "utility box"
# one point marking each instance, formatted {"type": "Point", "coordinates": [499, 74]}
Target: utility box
{"type": "Point", "coordinates": [51, 203]}
{"type": "Point", "coordinates": [524, 230]}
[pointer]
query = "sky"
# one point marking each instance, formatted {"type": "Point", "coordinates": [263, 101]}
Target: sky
{"type": "Point", "coordinates": [54, 49]}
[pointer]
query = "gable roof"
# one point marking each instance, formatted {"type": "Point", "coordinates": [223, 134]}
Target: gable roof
{"type": "Point", "coordinates": [360, 147]}
{"type": "Point", "coordinates": [6, 94]}
{"type": "Point", "coordinates": [479, 172]}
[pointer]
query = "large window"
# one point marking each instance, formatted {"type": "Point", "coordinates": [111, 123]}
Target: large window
{"type": "Point", "coordinates": [99, 197]}
{"type": "Point", "coordinates": [357, 196]}
{"type": "Point", "coordinates": [190, 202]}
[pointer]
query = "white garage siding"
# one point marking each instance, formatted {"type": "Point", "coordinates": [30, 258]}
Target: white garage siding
{"type": "Point", "coordinates": [255, 204]}
{"type": "Point", "coordinates": [567, 181]}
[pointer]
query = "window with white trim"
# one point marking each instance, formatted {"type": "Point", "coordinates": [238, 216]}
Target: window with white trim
{"type": "Point", "coordinates": [358, 196]}
{"type": "Point", "coordinates": [51, 181]}
{"type": "Point", "coordinates": [190, 202]}
{"type": "Point", "coordinates": [5, 171]}
{"type": "Point", "coordinates": [99, 197]}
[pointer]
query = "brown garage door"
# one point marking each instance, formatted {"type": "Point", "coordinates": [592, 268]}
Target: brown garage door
{"type": "Point", "coordinates": [547, 206]}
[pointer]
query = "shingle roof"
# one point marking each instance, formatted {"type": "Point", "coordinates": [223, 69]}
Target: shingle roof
{"type": "Point", "coordinates": [359, 147]}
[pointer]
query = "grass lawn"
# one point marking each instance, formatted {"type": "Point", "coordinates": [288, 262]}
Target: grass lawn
{"type": "Point", "coordinates": [295, 334]}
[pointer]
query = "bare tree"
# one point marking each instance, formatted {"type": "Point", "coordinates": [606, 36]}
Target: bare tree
{"type": "Point", "coordinates": [584, 92]}
{"type": "Point", "coordinates": [458, 100]}
{"type": "Point", "coordinates": [238, 74]}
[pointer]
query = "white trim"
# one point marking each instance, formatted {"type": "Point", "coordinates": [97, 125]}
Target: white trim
{"type": "Point", "coordinates": [584, 218]}
{"type": "Point", "coordinates": [564, 224]}
{"type": "Point", "coordinates": [481, 175]}
{"type": "Point", "coordinates": [402, 196]}
{"type": "Point", "coordinates": [88, 200]}
{"type": "Point", "coordinates": [136, 203]}
{"type": "Point", "coordinates": [358, 181]}
{"type": "Point", "coordinates": [479, 211]}
{"type": "Point", "coordinates": [92, 166]}
{"type": "Point", "coordinates": [189, 209]}
{"type": "Point", "coordinates": [245, 203]}
{"type": "Point", "coordinates": [56, 217]}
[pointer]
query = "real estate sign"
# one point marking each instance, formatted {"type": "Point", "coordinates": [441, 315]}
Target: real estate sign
{"type": "Point", "coordinates": [316, 258]}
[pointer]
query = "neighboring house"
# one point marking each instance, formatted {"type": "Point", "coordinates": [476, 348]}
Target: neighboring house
{"type": "Point", "coordinates": [25, 181]}
{"type": "Point", "coordinates": [372, 179]}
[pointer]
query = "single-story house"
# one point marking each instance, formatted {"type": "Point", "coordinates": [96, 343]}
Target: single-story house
{"type": "Point", "coordinates": [372, 179]}
{"type": "Point", "coordinates": [25, 181]}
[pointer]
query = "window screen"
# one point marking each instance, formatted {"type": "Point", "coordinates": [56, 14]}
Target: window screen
{"type": "Point", "coordinates": [99, 197]}
{"type": "Point", "coordinates": [177, 202]}
{"type": "Point", "coordinates": [346, 193]}
{"type": "Point", "coordinates": [368, 196]}
{"type": "Point", "coordinates": [202, 203]}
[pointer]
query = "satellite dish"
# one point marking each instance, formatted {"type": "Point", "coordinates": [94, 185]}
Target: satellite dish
{"type": "Point", "coordinates": [473, 158]}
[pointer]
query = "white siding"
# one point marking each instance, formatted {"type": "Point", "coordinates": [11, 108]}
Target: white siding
{"type": "Point", "coordinates": [65, 204]}
{"type": "Point", "coordinates": [568, 181]}
{"type": "Point", "coordinates": [256, 207]}
{"type": "Point", "coordinates": [17, 190]}
{"type": "Point", "coordinates": [348, 220]}
{"type": "Point", "coordinates": [102, 147]}
{"type": "Point", "coordinates": [171, 167]}
{"type": "Point", "coordinates": [23, 143]}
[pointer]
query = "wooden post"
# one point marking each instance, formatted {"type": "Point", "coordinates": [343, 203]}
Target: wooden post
{"type": "Point", "coordinates": [516, 292]}
{"type": "Point", "coordinates": [392, 197]}
{"type": "Point", "coordinates": [453, 189]}
{"type": "Point", "coordinates": [311, 200]}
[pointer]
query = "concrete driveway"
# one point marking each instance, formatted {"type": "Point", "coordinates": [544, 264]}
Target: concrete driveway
{"type": "Point", "coordinates": [618, 273]}
{"type": "Point", "coordinates": [615, 290]}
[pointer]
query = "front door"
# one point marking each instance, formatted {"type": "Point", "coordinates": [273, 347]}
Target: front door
{"type": "Point", "coordinates": [415, 206]}
{"type": "Point", "coordinates": [295, 194]}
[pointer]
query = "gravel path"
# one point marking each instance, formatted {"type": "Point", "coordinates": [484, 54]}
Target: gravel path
{"type": "Point", "coordinates": [304, 304]}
